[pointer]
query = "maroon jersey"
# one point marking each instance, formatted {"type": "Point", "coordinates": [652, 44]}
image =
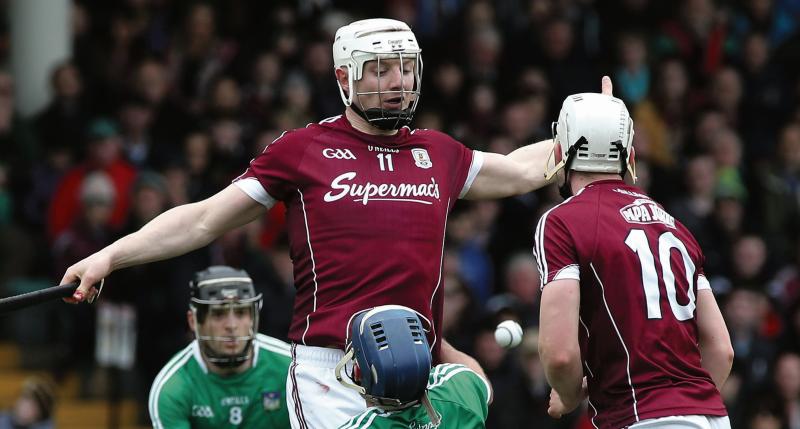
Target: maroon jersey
{"type": "Point", "coordinates": [639, 271]}
{"type": "Point", "coordinates": [366, 220]}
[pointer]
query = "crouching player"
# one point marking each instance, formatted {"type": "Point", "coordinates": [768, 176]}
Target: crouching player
{"type": "Point", "coordinates": [388, 361]}
{"type": "Point", "coordinates": [229, 376]}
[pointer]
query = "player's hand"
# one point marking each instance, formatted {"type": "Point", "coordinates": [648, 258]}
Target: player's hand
{"type": "Point", "coordinates": [89, 271]}
{"type": "Point", "coordinates": [557, 408]}
{"type": "Point", "coordinates": [607, 86]}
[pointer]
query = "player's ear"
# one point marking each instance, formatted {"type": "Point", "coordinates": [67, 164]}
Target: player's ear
{"type": "Point", "coordinates": [190, 319]}
{"type": "Point", "coordinates": [342, 77]}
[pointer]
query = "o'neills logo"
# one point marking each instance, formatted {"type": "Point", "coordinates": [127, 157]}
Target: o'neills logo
{"type": "Point", "coordinates": [342, 187]}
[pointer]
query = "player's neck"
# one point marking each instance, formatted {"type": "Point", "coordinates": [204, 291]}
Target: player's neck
{"type": "Point", "coordinates": [362, 125]}
{"type": "Point", "coordinates": [580, 179]}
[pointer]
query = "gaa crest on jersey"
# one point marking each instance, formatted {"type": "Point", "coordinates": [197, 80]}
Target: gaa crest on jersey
{"type": "Point", "coordinates": [271, 400]}
{"type": "Point", "coordinates": [646, 211]}
{"type": "Point", "coordinates": [421, 158]}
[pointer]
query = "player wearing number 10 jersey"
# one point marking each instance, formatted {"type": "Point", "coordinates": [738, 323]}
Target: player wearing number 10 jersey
{"type": "Point", "coordinates": [628, 317]}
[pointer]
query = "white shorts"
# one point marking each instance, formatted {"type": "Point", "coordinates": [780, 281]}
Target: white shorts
{"type": "Point", "coordinates": [316, 400]}
{"type": "Point", "coordinates": [684, 422]}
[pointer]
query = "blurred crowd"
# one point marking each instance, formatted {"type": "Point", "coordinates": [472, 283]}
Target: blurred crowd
{"type": "Point", "coordinates": [165, 102]}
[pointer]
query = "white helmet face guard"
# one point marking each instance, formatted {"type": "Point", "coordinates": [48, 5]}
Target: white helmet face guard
{"type": "Point", "coordinates": [378, 40]}
{"type": "Point", "coordinates": [395, 118]}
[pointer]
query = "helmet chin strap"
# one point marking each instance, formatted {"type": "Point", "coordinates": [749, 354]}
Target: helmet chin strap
{"type": "Point", "coordinates": [385, 119]}
{"type": "Point", "coordinates": [565, 190]}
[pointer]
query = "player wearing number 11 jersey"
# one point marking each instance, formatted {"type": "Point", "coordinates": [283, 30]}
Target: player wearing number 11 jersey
{"type": "Point", "coordinates": [627, 316]}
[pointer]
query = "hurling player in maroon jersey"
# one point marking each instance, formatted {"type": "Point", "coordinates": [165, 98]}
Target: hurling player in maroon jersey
{"type": "Point", "coordinates": [367, 200]}
{"type": "Point", "coordinates": [627, 315]}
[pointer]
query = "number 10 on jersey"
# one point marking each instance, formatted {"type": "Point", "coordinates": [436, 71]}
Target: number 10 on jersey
{"type": "Point", "coordinates": [637, 241]}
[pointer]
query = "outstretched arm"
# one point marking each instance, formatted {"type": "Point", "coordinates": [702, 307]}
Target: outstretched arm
{"type": "Point", "coordinates": [519, 172]}
{"type": "Point", "coordinates": [174, 232]}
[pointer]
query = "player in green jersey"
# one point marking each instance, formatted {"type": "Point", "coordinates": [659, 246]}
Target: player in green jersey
{"type": "Point", "coordinates": [388, 361]}
{"type": "Point", "coordinates": [229, 376]}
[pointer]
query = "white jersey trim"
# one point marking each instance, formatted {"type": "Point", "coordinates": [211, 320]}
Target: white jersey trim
{"type": "Point", "coordinates": [252, 187]}
{"type": "Point", "coordinates": [474, 169]}
{"type": "Point", "coordinates": [538, 248]}
{"type": "Point", "coordinates": [586, 365]}
{"type": "Point", "coordinates": [358, 421]}
{"type": "Point", "coordinates": [569, 272]}
{"type": "Point", "coordinates": [327, 120]}
{"type": "Point", "coordinates": [313, 267]}
{"type": "Point", "coordinates": [439, 281]}
{"type": "Point", "coordinates": [580, 319]}
{"type": "Point", "coordinates": [621, 340]}
{"type": "Point", "coordinates": [446, 371]}
{"type": "Point", "coordinates": [271, 344]}
{"type": "Point", "coordinates": [161, 379]}
{"type": "Point", "coordinates": [595, 413]}
{"type": "Point", "coordinates": [702, 283]}
{"type": "Point", "coordinates": [195, 345]}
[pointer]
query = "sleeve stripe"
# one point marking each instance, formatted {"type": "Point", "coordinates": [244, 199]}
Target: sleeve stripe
{"type": "Point", "coordinates": [448, 376]}
{"type": "Point", "coordinates": [474, 169]}
{"type": "Point", "coordinates": [253, 188]}
{"type": "Point", "coordinates": [453, 371]}
{"type": "Point", "coordinates": [356, 421]}
{"type": "Point", "coordinates": [440, 370]}
{"type": "Point", "coordinates": [541, 258]}
{"type": "Point", "coordinates": [161, 379]}
{"type": "Point", "coordinates": [572, 271]}
{"type": "Point", "coordinates": [702, 283]}
{"type": "Point", "coordinates": [369, 421]}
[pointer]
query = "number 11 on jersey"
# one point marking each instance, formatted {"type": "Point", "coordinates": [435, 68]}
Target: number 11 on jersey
{"type": "Point", "coordinates": [388, 157]}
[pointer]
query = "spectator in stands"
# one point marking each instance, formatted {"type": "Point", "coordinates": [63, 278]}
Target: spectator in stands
{"type": "Point", "coordinates": [33, 409]}
{"type": "Point", "coordinates": [105, 155]}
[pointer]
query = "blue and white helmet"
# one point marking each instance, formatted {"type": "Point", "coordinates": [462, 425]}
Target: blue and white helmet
{"type": "Point", "coordinates": [393, 358]}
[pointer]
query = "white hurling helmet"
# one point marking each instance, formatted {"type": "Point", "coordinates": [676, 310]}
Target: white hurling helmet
{"type": "Point", "coordinates": [594, 133]}
{"type": "Point", "coordinates": [378, 39]}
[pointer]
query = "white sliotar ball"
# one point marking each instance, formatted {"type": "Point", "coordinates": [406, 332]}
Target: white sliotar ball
{"type": "Point", "coordinates": [508, 334]}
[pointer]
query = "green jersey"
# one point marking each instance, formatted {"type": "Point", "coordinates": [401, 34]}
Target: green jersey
{"type": "Point", "coordinates": [458, 394]}
{"type": "Point", "coordinates": [185, 394]}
